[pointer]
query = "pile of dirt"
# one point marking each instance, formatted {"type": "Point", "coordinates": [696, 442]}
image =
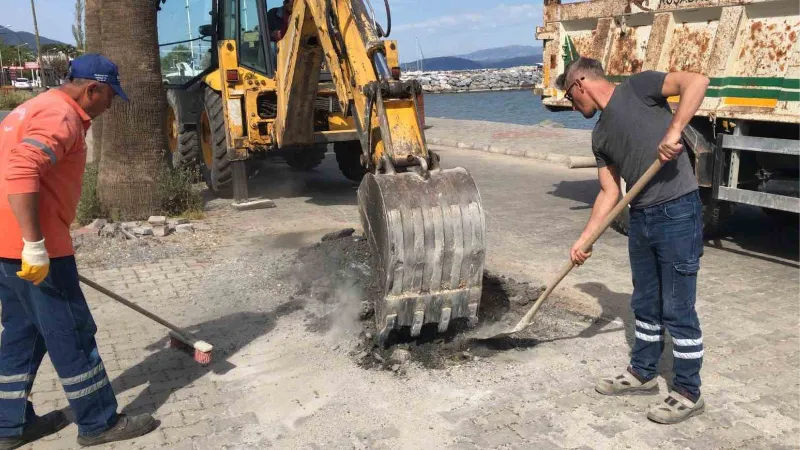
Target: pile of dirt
{"type": "Point", "coordinates": [338, 273]}
{"type": "Point", "coordinates": [503, 303]}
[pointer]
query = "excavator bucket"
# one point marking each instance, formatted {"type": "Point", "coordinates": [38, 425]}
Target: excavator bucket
{"type": "Point", "coordinates": [427, 235]}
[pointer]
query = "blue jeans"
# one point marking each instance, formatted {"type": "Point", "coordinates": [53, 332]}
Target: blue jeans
{"type": "Point", "coordinates": [665, 244]}
{"type": "Point", "coordinates": [52, 317]}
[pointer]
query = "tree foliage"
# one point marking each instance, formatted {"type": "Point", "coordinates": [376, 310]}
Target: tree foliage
{"type": "Point", "coordinates": [78, 27]}
{"type": "Point", "coordinates": [67, 50]}
{"type": "Point", "coordinates": [179, 53]}
{"type": "Point", "coordinates": [11, 57]}
{"type": "Point", "coordinates": [57, 56]}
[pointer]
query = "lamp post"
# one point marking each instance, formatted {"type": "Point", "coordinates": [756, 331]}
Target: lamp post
{"type": "Point", "coordinates": [38, 46]}
{"type": "Point", "coordinates": [19, 55]}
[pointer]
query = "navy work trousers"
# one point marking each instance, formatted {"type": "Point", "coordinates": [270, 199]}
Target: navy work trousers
{"type": "Point", "coordinates": [53, 318]}
{"type": "Point", "coordinates": [665, 244]}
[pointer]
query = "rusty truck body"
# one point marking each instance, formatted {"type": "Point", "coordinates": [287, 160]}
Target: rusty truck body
{"type": "Point", "coordinates": [744, 139]}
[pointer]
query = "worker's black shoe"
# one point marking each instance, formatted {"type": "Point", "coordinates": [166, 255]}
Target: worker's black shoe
{"type": "Point", "coordinates": [45, 425]}
{"type": "Point", "coordinates": [127, 427]}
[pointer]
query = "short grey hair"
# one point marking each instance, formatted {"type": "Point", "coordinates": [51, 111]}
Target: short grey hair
{"type": "Point", "coordinates": [583, 66]}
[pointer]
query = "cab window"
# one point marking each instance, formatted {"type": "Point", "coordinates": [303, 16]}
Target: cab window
{"type": "Point", "coordinates": [184, 54]}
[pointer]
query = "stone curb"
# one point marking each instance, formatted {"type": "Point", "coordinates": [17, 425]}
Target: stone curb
{"type": "Point", "coordinates": [572, 162]}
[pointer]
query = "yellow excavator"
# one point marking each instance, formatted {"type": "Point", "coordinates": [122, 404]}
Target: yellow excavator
{"type": "Point", "coordinates": [260, 91]}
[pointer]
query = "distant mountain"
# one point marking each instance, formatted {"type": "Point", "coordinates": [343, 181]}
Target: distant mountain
{"type": "Point", "coordinates": [530, 60]}
{"type": "Point", "coordinates": [442, 63]}
{"type": "Point", "coordinates": [12, 38]}
{"type": "Point", "coordinates": [498, 53]}
{"type": "Point", "coordinates": [493, 58]}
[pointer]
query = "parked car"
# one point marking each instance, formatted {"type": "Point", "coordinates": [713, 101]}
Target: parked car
{"type": "Point", "coordinates": [23, 83]}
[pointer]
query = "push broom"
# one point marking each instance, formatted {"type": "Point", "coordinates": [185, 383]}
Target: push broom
{"type": "Point", "coordinates": [527, 319]}
{"type": "Point", "coordinates": [178, 337]}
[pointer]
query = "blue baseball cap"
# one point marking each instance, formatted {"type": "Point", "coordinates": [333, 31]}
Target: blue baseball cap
{"type": "Point", "coordinates": [99, 68]}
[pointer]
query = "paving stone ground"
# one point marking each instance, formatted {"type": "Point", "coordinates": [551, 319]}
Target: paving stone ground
{"type": "Point", "coordinates": [276, 384]}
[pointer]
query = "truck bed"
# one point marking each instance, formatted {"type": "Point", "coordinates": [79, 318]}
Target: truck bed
{"type": "Point", "coordinates": [748, 49]}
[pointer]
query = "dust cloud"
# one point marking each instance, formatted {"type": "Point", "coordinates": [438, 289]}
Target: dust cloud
{"type": "Point", "coordinates": [337, 280]}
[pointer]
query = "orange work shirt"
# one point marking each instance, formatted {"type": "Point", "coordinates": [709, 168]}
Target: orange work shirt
{"type": "Point", "coordinates": [43, 149]}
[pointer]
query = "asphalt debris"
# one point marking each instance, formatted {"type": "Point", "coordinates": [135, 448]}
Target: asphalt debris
{"type": "Point", "coordinates": [347, 232]}
{"type": "Point", "coordinates": [337, 273]}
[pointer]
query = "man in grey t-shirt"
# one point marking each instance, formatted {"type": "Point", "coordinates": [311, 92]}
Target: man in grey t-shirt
{"type": "Point", "coordinates": [665, 244]}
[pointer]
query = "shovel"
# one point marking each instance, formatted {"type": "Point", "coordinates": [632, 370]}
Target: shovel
{"type": "Point", "coordinates": [640, 184]}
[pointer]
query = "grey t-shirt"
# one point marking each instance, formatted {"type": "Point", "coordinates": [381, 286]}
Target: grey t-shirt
{"type": "Point", "coordinates": [627, 136]}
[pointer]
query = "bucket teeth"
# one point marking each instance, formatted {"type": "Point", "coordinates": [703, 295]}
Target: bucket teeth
{"type": "Point", "coordinates": [444, 320]}
{"type": "Point", "coordinates": [473, 314]}
{"type": "Point", "coordinates": [428, 239]}
{"type": "Point", "coordinates": [416, 327]}
{"type": "Point", "coordinates": [389, 325]}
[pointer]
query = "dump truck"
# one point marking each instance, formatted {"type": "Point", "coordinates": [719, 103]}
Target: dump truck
{"type": "Point", "coordinates": [743, 141]}
{"type": "Point", "coordinates": [326, 74]}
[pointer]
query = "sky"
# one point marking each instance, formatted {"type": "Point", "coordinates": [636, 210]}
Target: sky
{"type": "Point", "coordinates": [443, 27]}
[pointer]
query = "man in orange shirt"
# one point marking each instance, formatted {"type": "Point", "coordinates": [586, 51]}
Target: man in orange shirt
{"type": "Point", "coordinates": [42, 160]}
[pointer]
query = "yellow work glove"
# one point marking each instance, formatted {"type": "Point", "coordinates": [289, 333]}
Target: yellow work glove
{"type": "Point", "coordinates": [35, 262]}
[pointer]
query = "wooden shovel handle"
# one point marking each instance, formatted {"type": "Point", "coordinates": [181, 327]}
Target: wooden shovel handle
{"type": "Point", "coordinates": [566, 268]}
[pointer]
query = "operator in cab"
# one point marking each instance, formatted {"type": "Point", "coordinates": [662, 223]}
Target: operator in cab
{"type": "Point", "coordinates": [665, 240]}
{"type": "Point", "coordinates": [278, 20]}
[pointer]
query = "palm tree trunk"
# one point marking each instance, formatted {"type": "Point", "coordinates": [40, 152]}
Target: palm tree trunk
{"type": "Point", "coordinates": [94, 44]}
{"type": "Point", "coordinates": [134, 134]}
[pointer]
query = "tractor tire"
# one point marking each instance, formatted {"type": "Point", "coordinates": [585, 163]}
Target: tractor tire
{"type": "Point", "coordinates": [715, 214]}
{"type": "Point", "coordinates": [182, 140]}
{"type": "Point", "coordinates": [306, 158]}
{"type": "Point", "coordinates": [348, 155]}
{"type": "Point", "coordinates": [217, 168]}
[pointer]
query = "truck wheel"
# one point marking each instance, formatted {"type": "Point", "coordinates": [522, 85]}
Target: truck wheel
{"type": "Point", "coordinates": [182, 140]}
{"type": "Point", "coordinates": [306, 158]}
{"type": "Point", "coordinates": [714, 217]}
{"type": "Point", "coordinates": [622, 222]}
{"type": "Point", "coordinates": [348, 155]}
{"type": "Point", "coordinates": [782, 218]}
{"type": "Point", "coordinates": [217, 169]}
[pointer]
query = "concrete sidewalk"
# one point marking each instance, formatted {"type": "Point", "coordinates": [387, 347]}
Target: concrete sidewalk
{"type": "Point", "coordinates": [550, 143]}
{"type": "Point", "coordinates": [279, 379]}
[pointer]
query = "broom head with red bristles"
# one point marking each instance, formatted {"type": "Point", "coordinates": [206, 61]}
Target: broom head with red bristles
{"type": "Point", "coordinates": [200, 350]}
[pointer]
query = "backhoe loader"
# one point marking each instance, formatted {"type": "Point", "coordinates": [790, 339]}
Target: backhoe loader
{"type": "Point", "coordinates": [255, 95]}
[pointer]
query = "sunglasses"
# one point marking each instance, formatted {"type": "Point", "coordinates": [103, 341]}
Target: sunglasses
{"type": "Point", "coordinates": [567, 94]}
